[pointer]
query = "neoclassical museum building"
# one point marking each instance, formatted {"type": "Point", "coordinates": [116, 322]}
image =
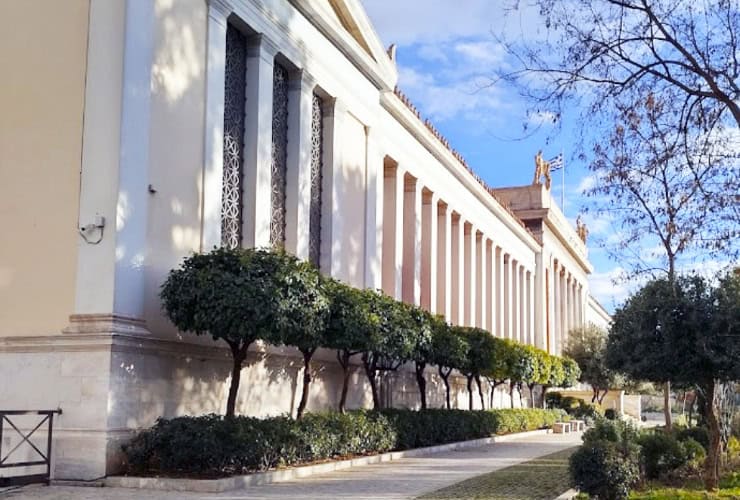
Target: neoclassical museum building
{"type": "Point", "coordinates": [135, 132]}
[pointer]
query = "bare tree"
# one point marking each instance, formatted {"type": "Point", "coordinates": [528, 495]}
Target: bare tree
{"type": "Point", "coordinates": [662, 185]}
{"type": "Point", "coordinates": [665, 185]}
{"type": "Point", "coordinates": [601, 49]}
{"type": "Point", "coordinates": [657, 87]}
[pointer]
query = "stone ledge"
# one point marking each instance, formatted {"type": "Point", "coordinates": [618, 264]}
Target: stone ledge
{"type": "Point", "coordinates": [277, 476]}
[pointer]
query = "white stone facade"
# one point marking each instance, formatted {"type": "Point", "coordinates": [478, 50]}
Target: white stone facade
{"type": "Point", "coordinates": [399, 211]}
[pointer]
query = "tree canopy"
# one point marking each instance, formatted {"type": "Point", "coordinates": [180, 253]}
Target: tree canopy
{"type": "Point", "coordinates": [686, 331]}
{"type": "Point", "coordinates": [587, 347]}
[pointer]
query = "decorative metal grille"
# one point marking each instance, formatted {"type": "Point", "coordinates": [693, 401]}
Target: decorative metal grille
{"type": "Point", "coordinates": [232, 201]}
{"type": "Point", "coordinates": [279, 154]}
{"type": "Point", "coordinates": [317, 166]}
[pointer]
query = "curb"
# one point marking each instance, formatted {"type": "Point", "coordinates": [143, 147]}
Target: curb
{"type": "Point", "coordinates": [568, 495]}
{"type": "Point", "coordinates": [282, 475]}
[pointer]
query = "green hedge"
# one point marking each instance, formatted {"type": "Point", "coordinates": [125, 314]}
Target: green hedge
{"type": "Point", "coordinates": [213, 446]}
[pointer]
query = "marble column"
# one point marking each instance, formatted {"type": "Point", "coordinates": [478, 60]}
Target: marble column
{"type": "Point", "coordinates": [258, 142]}
{"type": "Point", "coordinates": [470, 278]}
{"type": "Point", "coordinates": [499, 283]}
{"type": "Point", "coordinates": [480, 280]}
{"type": "Point", "coordinates": [213, 144]}
{"type": "Point", "coordinates": [393, 230]}
{"type": "Point", "coordinates": [375, 210]}
{"type": "Point", "coordinates": [514, 291]}
{"type": "Point", "coordinates": [488, 303]}
{"type": "Point", "coordinates": [444, 261]}
{"type": "Point", "coordinates": [411, 266]}
{"type": "Point", "coordinates": [457, 253]}
{"type": "Point", "coordinates": [532, 313]}
{"type": "Point", "coordinates": [506, 289]}
{"type": "Point", "coordinates": [298, 172]}
{"type": "Point", "coordinates": [429, 247]}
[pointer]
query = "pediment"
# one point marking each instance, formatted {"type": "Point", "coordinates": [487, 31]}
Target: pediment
{"type": "Point", "coordinates": [349, 20]}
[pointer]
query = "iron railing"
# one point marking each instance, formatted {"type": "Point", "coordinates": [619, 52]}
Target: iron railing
{"type": "Point", "coordinates": [47, 417]}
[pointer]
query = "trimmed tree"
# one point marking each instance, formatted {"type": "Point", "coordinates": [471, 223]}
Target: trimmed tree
{"type": "Point", "coordinates": [571, 372]}
{"type": "Point", "coordinates": [304, 309]}
{"type": "Point", "coordinates": [587, 346]}
{"type": "Point", "coordinates": [232, 295]}
{"type": "Point", "coordinates": [687, 332]}
{"type": "Point", "coordinates": [554, 377]}
{"type": "Point", "coordinates": [499, 369]}
{"type": "Point", "coordinates": [423, 323]}
{"type": "Point", "coordinates": [391, 343]}
{"type": "Point", "coordinates": [449, 352]}
{"type": "Point", "coordinates": [350, 326]}
{"type": "Point", "coordinates": [479, 358]}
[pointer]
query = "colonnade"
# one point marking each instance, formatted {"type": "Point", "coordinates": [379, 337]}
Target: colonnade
{"type": "Point", "coordinates": [567, 309]}
{"type": "Point", "coordinates": [433, 256]}
{"type": "Point", "coordinates": [420, 246]}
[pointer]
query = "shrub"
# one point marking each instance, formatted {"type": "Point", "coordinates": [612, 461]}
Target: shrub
{"type": "Point", "coordinates": [213, 446]}
{"type": "Point", "coordinates": [611, 414]}
{"type": "Point", "coordinates": [600, 469]}
{"type": "Point", "coordinates": [697, 433]}
{"type": "Point", "coordinates": [662, 453]}
{"type": "Point", "coordinates": [575, 407]}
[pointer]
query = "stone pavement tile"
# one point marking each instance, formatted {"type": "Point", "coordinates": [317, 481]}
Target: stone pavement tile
{"type": "Point", "coordinates": [402, 479]}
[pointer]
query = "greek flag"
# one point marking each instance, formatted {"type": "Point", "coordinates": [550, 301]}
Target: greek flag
{"type": "Point", "coordinates": [556, 163]}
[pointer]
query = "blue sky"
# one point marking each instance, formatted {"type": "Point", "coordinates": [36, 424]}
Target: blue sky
{"type": "Point", "coordinates": [446, 55]}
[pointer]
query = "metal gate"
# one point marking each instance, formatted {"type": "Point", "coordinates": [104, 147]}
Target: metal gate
{"type": "Point", "coordinates": [35, 456]}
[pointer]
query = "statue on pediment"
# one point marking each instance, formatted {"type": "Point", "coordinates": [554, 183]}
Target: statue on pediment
{"type": "Point", "coordinates": [581, 229]}
{"type": "Point", "coordinates": [541, 168]}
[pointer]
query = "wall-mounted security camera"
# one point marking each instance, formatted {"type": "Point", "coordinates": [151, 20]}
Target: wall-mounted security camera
{"type": "Point", "coordinates": [92, 232]}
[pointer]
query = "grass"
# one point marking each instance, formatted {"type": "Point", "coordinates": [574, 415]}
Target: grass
{"type": "Point", "coordinates": [729, 488]}
{"type": "Point", "coordinates": [542, 478]}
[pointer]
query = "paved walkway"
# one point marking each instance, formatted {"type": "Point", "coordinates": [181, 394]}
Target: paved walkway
{"type": "Point", "coordinates": [402, 479]}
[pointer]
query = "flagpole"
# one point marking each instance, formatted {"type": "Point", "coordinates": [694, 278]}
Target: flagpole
{"type": "Point", "coordinates": [562, 190]}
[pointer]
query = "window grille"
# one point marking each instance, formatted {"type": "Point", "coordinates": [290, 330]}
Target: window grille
{"type": "Point", "coordinates": [232, 201]}
{"type": "Point", "coordinates": [279, 154]}
{"type": "Point", "coordinates": [317, 165]}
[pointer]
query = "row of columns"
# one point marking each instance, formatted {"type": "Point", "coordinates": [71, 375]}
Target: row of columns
{"type": "Point", "coordinates": [568, 304]}
{"type": "Point", "coordinates": [433, 257]}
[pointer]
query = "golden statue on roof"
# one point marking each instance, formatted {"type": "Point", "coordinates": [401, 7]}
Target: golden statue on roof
{"type": "Point", "coordinates": [581, 229]}
{"type": "Point", "coordinates": [542, 168]}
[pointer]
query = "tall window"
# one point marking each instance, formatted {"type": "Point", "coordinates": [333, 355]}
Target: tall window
{"type": "Point", "coordinates": [234, 96]}
{"type": "Point", "coordinates": [317, 139]}
{"type": "Point", "coordinates": [279, 154]}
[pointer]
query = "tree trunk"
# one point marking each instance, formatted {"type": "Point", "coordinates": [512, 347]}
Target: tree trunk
{"type": "Point", "coordinates": [421, 381]}
{"type": "Point", "coordinates": [370, 371]}
{"type": "Point", "coordinates": [511, 393]}
{"type": "Point", "coordinates": [239, 354]}
{"type": "Point", "coordinates": [711, 464]}
{"type": "Point", "coordinates": [343, 358]}
{"type": "Point", "coordinates": [667, 405]}
{"type": "Point", "coordinates": [531, 394]}
{"type": "Point", "coordinates": [543, 401]}
{"type": "Point", "coordinates": [595, 391]}
{"type": "Point", "coordinates": [480, 393]}
{"type": "Point", "coordinates": [600, 399]}
{"type": "Point", "coordinates": [307, 355]}
{"type": "Point", "coordinates": [470, 391]}
{"type": "Point", "coordinates": [446, 379]}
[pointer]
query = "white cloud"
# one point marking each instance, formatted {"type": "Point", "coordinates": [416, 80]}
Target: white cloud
{"type": "Point", "coordinates": [444, 20]}
{"type": "Point", "coordinates": [609, 287]}
{"type": "Point", "coordinates": [586, 183]}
